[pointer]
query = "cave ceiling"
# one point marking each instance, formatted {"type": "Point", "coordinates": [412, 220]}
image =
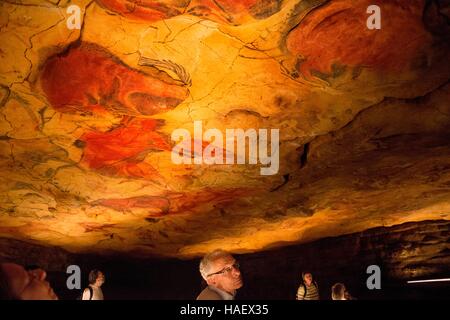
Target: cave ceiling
{"type": "Point", "coordinates": [87, 117]}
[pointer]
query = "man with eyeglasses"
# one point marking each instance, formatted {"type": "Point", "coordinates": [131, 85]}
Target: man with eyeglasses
{"type": "Point", "coordinates": [221, 272]}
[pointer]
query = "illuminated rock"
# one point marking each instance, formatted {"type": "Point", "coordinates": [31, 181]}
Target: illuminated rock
{"type": "Point", "coordinates": [86, 118]}
{"type": "Point", "coordinates": [223, 11]}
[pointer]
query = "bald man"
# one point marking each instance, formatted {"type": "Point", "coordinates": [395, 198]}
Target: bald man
{"type": "Point", "coordinates": [221, 272]}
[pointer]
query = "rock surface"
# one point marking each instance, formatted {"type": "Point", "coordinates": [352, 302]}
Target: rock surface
{"type": "Point", "coordinates": [86, 118]}
{"type": "Point", "coordinates": [411, 251]}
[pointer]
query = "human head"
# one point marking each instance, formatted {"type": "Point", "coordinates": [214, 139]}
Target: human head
{"type": "Point", "coordinates": [220, 269]}
{"type": "Point", "coordinates": [96, 277]}
{"type": "Point", "coordinates": [307, 278]}
{"type": "Point", "coordinates": [16, 283]}
{"type": "Point", "coordinates": [338, 292]}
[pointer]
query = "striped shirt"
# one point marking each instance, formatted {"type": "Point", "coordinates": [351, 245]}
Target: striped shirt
{"type": "Point", "coordinates": [312, 292]}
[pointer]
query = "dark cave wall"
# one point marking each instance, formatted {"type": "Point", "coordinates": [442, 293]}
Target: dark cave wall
{"type": "Point", "coordinates": [404, 252]}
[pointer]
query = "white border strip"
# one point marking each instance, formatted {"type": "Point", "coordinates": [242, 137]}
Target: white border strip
{"type": "Point", "coordinates": [429, 280]}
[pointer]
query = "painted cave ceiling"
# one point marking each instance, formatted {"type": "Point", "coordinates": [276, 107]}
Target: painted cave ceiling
{"type": "Point", "coordinates": [87, 117]}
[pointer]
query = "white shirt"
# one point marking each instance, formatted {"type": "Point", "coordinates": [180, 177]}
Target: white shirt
{"type": "Point", "coordinates": [97, 293]}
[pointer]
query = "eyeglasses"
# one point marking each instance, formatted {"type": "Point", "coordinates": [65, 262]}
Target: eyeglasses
{"type": "Point", "coordinates": [226, 269]}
